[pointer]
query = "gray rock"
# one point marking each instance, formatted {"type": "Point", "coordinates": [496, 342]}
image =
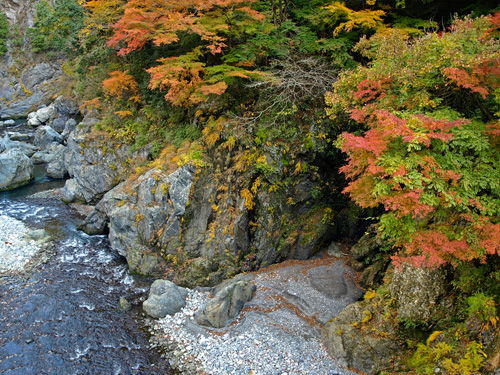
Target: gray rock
{"type": "Point", "coordinates": [416, 292]}
{"type": "Point", "coordinates": [143, 215]}
{"type": "Point", "coordinates": [335, 250]}
{"type": "Point", "coordinates": [45, 136]}
{"type": "Point", "coordinates": [45, 114]}
{"type": "Point", "coordinates": [226, 304]}
{"type": "Point", "coordinates": [16, 136]}
{"type": "Point", "coordinates": [349, 347]}
{"type": "Point", "coordinates": [16, 169]}
{"type": "Point", "coordinates": [34, 121]}
{"type": "Point", "coordinates": [59, 123]}
{"type": "Point", "coordinates": [66, 107]}
{"type": "Point", "coordinates": [25, 148]}
{"type": "Point", "coordinates": [125, 305]}
{"type": "Point", "coordinates": [69, 126]}
{"type": "Point", "coordinates": [72, 192]}
{"type": "Point", "coordinates": [37, 84]}
{"type": "Point", "coordinates": [39, 235]}
{"type": "Point", "coordinates": [165, 298]}
{"type": "Point", "coordinates": [9, 122]}
{"type": "Point", "coordinates": [95, 162]}
{"type": "Point", "coordinates": [54, 160]}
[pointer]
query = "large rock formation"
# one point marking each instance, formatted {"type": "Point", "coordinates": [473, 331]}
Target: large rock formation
{"type": "Point", "coordinates": [93, 161]}
{"type": "Point", "coordinates": [16, 169]}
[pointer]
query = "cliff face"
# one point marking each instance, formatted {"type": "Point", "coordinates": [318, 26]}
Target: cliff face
{"type": "Point", "coordinates": [26, 80]}
{"type": "Point", "coordinates": [194, 222]}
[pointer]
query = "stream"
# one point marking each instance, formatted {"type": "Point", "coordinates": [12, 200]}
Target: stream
{"type": "Point", "coordinates": [64, 317]}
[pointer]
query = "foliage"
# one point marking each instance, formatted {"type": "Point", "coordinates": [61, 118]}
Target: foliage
{"type": "Point", "coordinates": [426, 144]}
{"type": "Point", "coordinates": [4, 33]}
{"type": "Point", "coordinates": [186, 78]}
{"type": "Point", "coordinates": [482, 306]}
{"type": "Point", "coordinates": [57, 27]}
{"type": "Point", "coordinates": [428, 357]}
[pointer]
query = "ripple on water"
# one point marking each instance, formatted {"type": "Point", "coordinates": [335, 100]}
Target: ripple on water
{"type": "Point", "coordinates": [65, 318]}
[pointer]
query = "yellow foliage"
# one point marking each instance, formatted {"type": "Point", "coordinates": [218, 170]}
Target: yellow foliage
{"type": "Point", "coordinates": [256, 185]}
{"type": "Point", "coordinates": [364, 19]}
{"type": "Point", "coordinates": [432, 337]}
{"type": "Point", "coordinates": [247, 194]}
{"type": "Point", "coordinates": [370, 293]}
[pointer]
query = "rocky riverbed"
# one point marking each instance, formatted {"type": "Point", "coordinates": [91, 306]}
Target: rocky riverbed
{"type": "Point", "coordinates": [277, 332]}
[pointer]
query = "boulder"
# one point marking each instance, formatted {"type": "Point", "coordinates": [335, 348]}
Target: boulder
{"type": "Point", "coordinates": [66, 107]}
{"type": "Point", "coordinates": [69, 126]}
{"type": "Point", "coordinates": [350, 346]}
{"type": "Point", "coordinates": [54, 161]}
{"type": "Point", "coordinates": [416, 292]}
{"type": "Point", "coordinates": [45, 114]}
{"type": "Point", "coordinates": [16, 169]}
{"type": "Point", "coordinates": [9, 122]}
{"type": "Point", "coordinates": [72, 193]}
{"type": "Point", "coordinates": [59, 123]}
{"type": "Point", "coordinates": [144, 215]}
{"type": "Point", "coordinates": [45, 136]}
{"type": "Point", "coordinates": [165, 298]}
{"type": "Point", "coordinates": [25, 148]}
{"type": "Point", "coordinates": [227, 303]}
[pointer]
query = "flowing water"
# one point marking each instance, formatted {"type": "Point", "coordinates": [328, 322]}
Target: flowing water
{"type": "Point", "coordinates": [63, 318]}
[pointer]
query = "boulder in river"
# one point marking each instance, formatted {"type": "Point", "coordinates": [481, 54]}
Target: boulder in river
{"type": "Point", "coordinates": [165, 298]}
{"type": "Point", "coordinates": [45, 136]}
{"type": "Point", "coordinates": [7, 144]}
{"type": "Point", "coordinates": [54, 161]}
{"type": "Point", "coordinates": [227, 302]}
{"type": "Point", "coordinates": [16, 169]}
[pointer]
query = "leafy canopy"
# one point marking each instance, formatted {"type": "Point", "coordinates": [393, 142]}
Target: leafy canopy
{"type": "Point", "coordinates": [427, 142]}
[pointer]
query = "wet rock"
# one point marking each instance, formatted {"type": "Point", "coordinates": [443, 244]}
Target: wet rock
{"type": "Point", "coordinates": [16, 169]}
{"type": "Point", "coordinates": [39, 235]}
{"type": "Point", "coordinates": [125, 305]}
{"type": "Point", "coordinates": [45, 136]}
{"type": "Point", "coordinates": [165, 298]}
{"type": "Point", "coordinates": [335, 250]}
{"type": "Point", "coordinates": [16, 136]}
{"type": "Point", "coordinates": [416, 292]}
{"type": "Point", "coordinates": [227, 303]}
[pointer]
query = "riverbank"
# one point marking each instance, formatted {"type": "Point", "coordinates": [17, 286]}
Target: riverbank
{"type": "Point", "coordinates": [277, 332]}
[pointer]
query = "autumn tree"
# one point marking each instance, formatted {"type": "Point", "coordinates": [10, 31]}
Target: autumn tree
{"type": "Point", "coordinates": [190, 77]}
{"type": "Point", "coordinates": [426, 141]}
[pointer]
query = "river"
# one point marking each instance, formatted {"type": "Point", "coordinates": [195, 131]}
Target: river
{"type": "Point", "coordinates": [64, 317]}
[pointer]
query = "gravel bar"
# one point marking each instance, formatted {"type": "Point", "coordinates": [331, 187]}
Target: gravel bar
{"type": "Point", "coordinates": [15, 250]}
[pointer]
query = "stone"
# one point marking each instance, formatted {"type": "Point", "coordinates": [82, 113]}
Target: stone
{"type": "Point", "coordinates": [34, 121]}
{"type": "Point", "coordinates": [38, 235]}
{"type": "Point", "coordinates": [72, 193]}
{"type": "Point", "coordinates": [146, 208]}
{"type": "Point", "coordinates": [54, 161]}
{"type": "Point", "coordinates": [351, 348]}
{"type": "Point", "coordinates": [45, 136]}
{"type": "Point", "coordinates": [125, 305]}
{"type": "Point", "coordinates": [165, 298]}
{"type": "Point", "coordinates": [45, 114]}
{"type": "Point", "coordinates": [95, 163]}
{"type": "Point", "coordinates": [9, 122]}
{"type": "Point", "coordinates": [66, 106]}
{"type": "Point", "coordinates": [16, 136]}
{"type": "Point", "coordinates": [16, 169]}
{"type": "Point", "coordinates": [59, 123]}
{"type": "Point", "coordinates": [69, 126]}
{"type": "Point", "coordinates": [25, 148]}
{"type": "Point", "coordinates": [335, 250]}
{"type": "Point", "coordinates": [416, 292]}
{"type": "Point", "coordinates": [226, 304]}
